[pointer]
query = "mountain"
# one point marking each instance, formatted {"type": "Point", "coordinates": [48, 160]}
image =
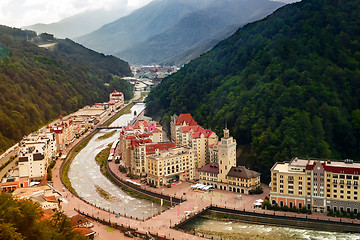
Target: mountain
{"type": "Point", "coordinates": [163, 29]}
{"type": "Point", "coordinates": [287, 85]}
{"type": "Point", "coordinates": [37, 84]}
{"type": "Point", "coordinates": [80, 24]}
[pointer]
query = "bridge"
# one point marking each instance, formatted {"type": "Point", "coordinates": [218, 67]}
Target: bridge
{"type": "Point", "coordinates": [138, 101]}
{"type": "Point", "coordinates": [108, 127]}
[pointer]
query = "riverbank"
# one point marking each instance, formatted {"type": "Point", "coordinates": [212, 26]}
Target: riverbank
{"type": "Point", "coordinates": [228, 218]}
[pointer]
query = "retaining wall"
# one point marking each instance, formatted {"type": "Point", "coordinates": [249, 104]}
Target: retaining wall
{"type": "Point", "coordinates": [284, 221]}
{"type": "Point", "coordinates": [137, 189]}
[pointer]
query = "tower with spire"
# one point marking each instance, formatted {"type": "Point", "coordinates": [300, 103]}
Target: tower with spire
{"type": "Point", "coordinates": [226, 155]}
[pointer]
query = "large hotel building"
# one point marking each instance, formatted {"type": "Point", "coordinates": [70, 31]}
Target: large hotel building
{"type": "Point", "coordinates": [318, 185]}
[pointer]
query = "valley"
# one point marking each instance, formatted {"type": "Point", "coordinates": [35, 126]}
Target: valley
{"type": "Point", "coordinates": [182, 119]}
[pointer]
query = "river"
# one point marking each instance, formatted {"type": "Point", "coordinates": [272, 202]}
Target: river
{"type": "Point", "coordinates": [238, 230]}
{"type": "Point", "coordinates": [85, 175]}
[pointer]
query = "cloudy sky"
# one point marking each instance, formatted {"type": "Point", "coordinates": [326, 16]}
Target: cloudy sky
{"type": "Point", "coordinates": [18, 13]}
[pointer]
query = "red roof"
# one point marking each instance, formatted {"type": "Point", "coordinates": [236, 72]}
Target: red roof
{"type": "Point", "coordinates": [156, 130]}
{"type": "Point", "coordinates": [336, 169]}
{"type": "Point", "coordinates": [151, 148]}
{"type": "Point", "coordinates": [144, 135]}
{"type": "Point", "coordinates": [135, 143]}
{"type": "Point", "coordinates": [78, 219]}
{"type": "Point", "coordinates": [197, 134]}
{"type": "Point", "coordinates": [187, 118]}
{"type": "Point", "coordinates": [208, 133]}
{"type": "Point", "coordinates": [194, 128]}
{"type": "Point", "coordinates": [130, 137]}
{"type": "Point", "coordinates": [50, 198]}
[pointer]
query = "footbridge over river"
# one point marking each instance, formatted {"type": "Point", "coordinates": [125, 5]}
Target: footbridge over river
{"type": "Point", "coordinates": [109, 127]}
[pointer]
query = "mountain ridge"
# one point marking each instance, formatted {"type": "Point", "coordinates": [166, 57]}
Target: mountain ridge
{"type": "Point", "coordinates": [150, 32]}
{"type": "Point", "coordinates": [79, 24]}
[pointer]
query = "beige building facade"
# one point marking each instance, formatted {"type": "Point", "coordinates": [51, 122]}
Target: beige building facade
{"type": "Point", "coordinates": [36, 152]}
{"type": "Point", "coordinates": [166, 167]}
{"type": "Point", "coordinates": [316, 184]}
{"type": "Point", "coordinates": [224, 174]}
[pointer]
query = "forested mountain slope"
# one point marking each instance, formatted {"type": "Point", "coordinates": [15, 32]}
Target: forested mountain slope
{"type": "Point", "coordinates": [38, 84]}
{"type": "Point", "coordinates": [288, 85]}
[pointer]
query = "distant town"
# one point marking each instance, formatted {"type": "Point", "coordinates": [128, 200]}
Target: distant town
{"type": "Point", "coordinates": [146, 77]}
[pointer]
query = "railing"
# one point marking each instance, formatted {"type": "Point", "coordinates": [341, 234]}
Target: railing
{"type": "Point", "coordinates": [140, 190]}
{"type": "Point", "coordinates": [127, 230]}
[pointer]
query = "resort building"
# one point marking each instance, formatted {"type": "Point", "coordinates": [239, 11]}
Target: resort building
{"type": "Point", "coordinates": [318, 185]}
{"type": "Point", "coordinates": [116, 99]}
{"type": "Point", "coordinates": [140, 150]}
{"type": "Point", "coordinates": [13, 181]}
{"type": "Point", "coordinates": [165, 167]}
{"type": "Point", "coordinates": [36, 152]}
{"type": "Point", "coordinates": [224, 174]}
{"type": "Point", "coordinates": [140, 139]}
{"type": "Point", "coordinates": [64, 132]}
{"type": "Point", "coordinates": [45, 195]}
{"type": "Point", "coordinates": [186, 132]}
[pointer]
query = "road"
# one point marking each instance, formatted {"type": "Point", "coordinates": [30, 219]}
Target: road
{"type": "Point", "coordinates": [5, 157]}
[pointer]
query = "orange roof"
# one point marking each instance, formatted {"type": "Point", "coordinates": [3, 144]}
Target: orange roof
{"type": "Point", "coordinates": [151, 148]}
{"type": "Point", "coordinates": [50, 198]}
{"type": "Point", "coordinates": [9, 183]}
{"type": "Point", "coordinates": [208, 133]}
{"type": "Point", "coordinates": [85, 231]}
{"type": "Point", "coordinates": [78, 219]}
{"type": "Point", "coordinates": [196, 134]}
{"type": "Point", "coordinates": [157, 130]}
{"type": "Point", "coordinates": [194, 128]}
{"type": "Point", "coordinates": [187, 118]}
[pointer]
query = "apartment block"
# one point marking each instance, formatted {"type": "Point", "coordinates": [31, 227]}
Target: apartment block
{"type": "Point", "coordinates": [186, 132]}
{"type": "Point", "coordinates": [64, 132]}
{"type": "Point", "coordinates": [318, 185]}
{"type": "Point", "coordinates": [36, 152]}
{"type": "Point", "coordinates": [138, 140]}
{"type": "Point", "coordinates": [165, 167]}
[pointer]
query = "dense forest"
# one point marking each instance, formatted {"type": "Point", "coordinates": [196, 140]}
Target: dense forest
{"type": "Point", "coordinates": [22, 219]}
{"type": "Point", "coordinates": [38, 84]}
{"type": "Point", "coordinates": [287, 86]}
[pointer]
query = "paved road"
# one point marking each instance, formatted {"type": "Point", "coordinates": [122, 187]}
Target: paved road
{"type": "Point", "coordinates": [4, 158]}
